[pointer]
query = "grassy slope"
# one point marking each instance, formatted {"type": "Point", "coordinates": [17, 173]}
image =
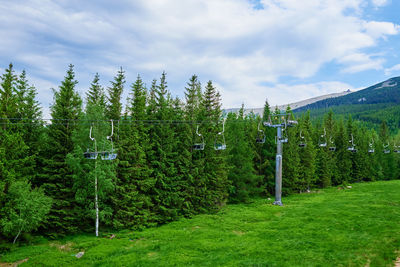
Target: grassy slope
{"type": "Point", "coordinates": [330, 228]}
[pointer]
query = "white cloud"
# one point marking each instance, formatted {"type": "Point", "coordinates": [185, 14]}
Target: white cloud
{"type": "Point", "coordinates": [393, 70]}
{"type": "Point", "coordinates": [231, 43]}
{"type": "Point", "coordinates": [379, 3]}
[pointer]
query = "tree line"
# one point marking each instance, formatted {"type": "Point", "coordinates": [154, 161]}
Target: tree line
{"type": "Point", "coordinates": [48, 186]}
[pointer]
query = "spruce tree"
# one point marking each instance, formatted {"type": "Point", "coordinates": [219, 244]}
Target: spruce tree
{"type": "Point", "coordinates": [307, 156]}
{"type": "Point", "coordinates": [14, 154]}
{"type": "Point", "coordinates": [165, 195]}
{"type": "Point", "coordinates": [342, 155]}
{"type": "Point", "coordinates": [193, 97]}
{"type": "Point", "coordinates": [57, 177]}
{"type": "Point", "coordinates": [268, 149]}
{"type": "Point", "coordinates": [132, 201]}
{"type": "Point", "coordinates": [245, 183]}
{"type": "Point", "coordinates": [114, 107]}
{"type": "Point", "coordinates": [214, 182]}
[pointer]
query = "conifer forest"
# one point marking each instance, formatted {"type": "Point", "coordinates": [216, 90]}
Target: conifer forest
{"type": "Point", "coordinates": [99, 163]}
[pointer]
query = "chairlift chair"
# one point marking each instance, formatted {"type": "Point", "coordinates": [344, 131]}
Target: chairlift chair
{"type": "Point", "coordinates": [218, 145]}
{"type": "Point", "coordinates": [352, 147]}
{"type": "Point", "coordinates": [396, 149]}
{"type": "Point", "coordinates": [386, 149]}
{"type": "Point", "coordinates": [199, 146]}
{"type": "Point", "coordinates": [332, 146]}
{"type": "Point", "coordinates": [284, 138]}
{"type": "Point", "coordinates": [323, 137]}
{"type": "Point", "coordinates": [260, 139]}
{"type": "Point", "coordinates": [91, 154]}
{"type": "Point", "coordinates": [371, 147]}
{"type": "Point", "coordinates": [109, 155]}
{"type": "Point", "coordinates": [302, 143]}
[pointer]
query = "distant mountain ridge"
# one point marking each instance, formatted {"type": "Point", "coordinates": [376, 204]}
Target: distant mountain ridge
{"type": "Point", "coordinates": [294, 105]}
{"type": "Point", "coordinates": [384, 92]}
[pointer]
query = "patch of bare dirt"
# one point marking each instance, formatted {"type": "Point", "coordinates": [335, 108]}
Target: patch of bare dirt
{"type": "Point", "coordinates": [13, 264]}
{"type": "Point", "coordinates": [397, 263]}
{"type": "Point", "coordinates": [239, 233]}
{"type": "Point", "coordinates": [63, 247]}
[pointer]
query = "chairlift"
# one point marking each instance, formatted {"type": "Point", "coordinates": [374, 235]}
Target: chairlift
{"type": "Point", "coordinates": [109, 155]}
{"type": "Point", "coordinates": [302, 142]}
{"type": "Point", "coordinates": [322, 139]}
{"type": "Point", "coordinates": [332, 146]}
{"type": "Point", "coordinates": [371, 147]}
{"type": "Point", "coordinates": [396, 149]}
{"type": "Point", "coordinates": [260, 139]}
{"type": "Point", "coordinates": [91, 154]}
{"type": "Point", "coordinates": [386, 149]}
{"type": "Point", "coordinates": [352, 147]}
{"type": "Point", "coordinates": [284, 138]}
{"type": "Point", "coordinates": [267, 123]}
{"type": "Point", "coordinates": [199, 146]}
{"type": "Point", "coordinates": [219, 143]}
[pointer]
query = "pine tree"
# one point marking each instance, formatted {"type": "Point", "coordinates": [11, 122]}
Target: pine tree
{"type": "Point", "coordinates": [165, 196]}
{"type": "Point", "coordinates": [132, 201]}
{"type": "Point", "coordinates": [342, 155]}
{"type": "Point", "coordinates": [114, 107]}
{"type": "Point", "coordinates": [214, 180]}
{"type": "Point", "coordinates": [95, 95]}
{"type": "Point", "coordinates": [267, 154]}
{"type": "Point", "coordinates": [307, 156]}
{"type": "Point", "coordinates": [388, 160]}
{"type": "Point", "coordinates": [57, 177]}
{"type": "Point", "coordinates": [31, 127]}
{"type": "Point", "coordinates": [194, 191]}
{"type": "Point", "coordinates": [245, 183]}
{"type": "Point", "coordinates": [14, 155]}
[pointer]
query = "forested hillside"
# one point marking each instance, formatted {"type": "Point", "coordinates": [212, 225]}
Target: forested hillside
{"type": "Point", "coordinates": [174, 157]}
{"type": "Point", "coordinates": [373, 105]}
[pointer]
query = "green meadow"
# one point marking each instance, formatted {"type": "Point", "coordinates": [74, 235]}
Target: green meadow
{"type": "Point", "coordinates": [357, 226]}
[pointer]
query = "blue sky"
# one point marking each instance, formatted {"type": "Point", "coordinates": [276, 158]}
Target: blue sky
{"type": "Point", "coordinates": [282, 50]}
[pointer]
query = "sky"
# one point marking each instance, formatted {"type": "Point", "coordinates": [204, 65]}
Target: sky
{"type": "Point", "coordinates": [252, 50]}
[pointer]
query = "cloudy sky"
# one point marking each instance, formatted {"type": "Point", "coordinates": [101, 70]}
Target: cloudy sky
{"type": "Point", "coordinates": [283, 50]}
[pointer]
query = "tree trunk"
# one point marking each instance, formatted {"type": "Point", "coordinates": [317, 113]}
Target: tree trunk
{"type": "Point", "coordinates": [15, 239]}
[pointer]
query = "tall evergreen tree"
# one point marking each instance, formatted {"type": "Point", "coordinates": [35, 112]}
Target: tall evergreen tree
{"type": "Point", "coordinates": [114, 107]}
{"type": "Point", "coordinates": [132, 201]}
{"type": "Point", "coordinates": [307, 156]}
{"type": "Point", "coordinates": [214, 175]}
{"type": "Point", "coordinates": [14, 154]}
{"type": "Point", "coordinates": [57, 176]}
{"type": "Point", "coordinates": [245, 183]}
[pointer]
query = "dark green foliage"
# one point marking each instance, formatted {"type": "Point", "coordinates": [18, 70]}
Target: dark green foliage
{"type": "Point", "coordinates": [56, 178]}
{"type": "Point", "coordinates": [158, 175]}
{"type": "Point", "coordinates": [245, 183]}
{"type": "Point", "coordinates": [131, 200]}
{"type": "Point", "coordinates": [307, 156]}
{"type": "Point", "coordinates": [214, 172]}
{"type": "Point", "coordinates": [114, 106]}
{"type": "Point", "coordinates": [87, 171]}
{"type": "Point", "coordinates": [265, 156]}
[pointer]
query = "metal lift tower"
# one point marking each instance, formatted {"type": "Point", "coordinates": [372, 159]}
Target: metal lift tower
{"type": "Point", "coordinates": [280, 122]}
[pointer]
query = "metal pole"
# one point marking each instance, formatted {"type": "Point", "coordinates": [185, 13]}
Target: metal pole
{"type": "Point", "coordinates": [278, 171]}
{"type": "Point", "coordinates": [96, 203]}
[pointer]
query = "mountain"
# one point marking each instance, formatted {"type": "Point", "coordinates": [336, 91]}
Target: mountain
{"type": "Point", "coordinates": [294, 105]}
{"type": "Point", "coordinates": [384, 92]}
{"type": "Point", "coordinates": [371, 105]}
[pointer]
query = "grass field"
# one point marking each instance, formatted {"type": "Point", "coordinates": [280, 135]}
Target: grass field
{"type": "Point", "coordinates": [333, 227]}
